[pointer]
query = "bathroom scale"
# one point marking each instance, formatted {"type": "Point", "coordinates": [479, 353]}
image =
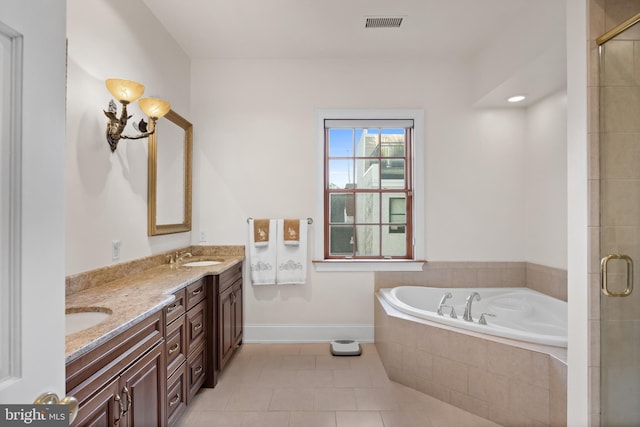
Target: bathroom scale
{"type": "Point", "coordinates": [345, 348]}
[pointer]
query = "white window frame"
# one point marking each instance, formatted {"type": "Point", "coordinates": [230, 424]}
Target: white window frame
{"type": "Point", "coordinates": [415, 264]}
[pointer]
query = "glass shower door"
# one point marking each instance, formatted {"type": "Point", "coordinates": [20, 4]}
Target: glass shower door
{"type": "Point", "coordinates": [620, 227]}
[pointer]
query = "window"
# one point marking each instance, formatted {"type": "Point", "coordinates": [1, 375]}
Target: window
{"type": "Point", "coordinates": [368, 195]}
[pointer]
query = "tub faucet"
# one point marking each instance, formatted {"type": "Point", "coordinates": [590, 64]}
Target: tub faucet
{"type": "Point", "coordinates": [442, 301]}
{"type": "Point", "coordinates": [467, 309]}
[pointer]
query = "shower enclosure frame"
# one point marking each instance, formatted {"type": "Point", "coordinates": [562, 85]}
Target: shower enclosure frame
{"type": "Point", "coordinates": [619, 220]}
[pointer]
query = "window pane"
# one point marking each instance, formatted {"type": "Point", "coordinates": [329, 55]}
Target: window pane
{"type": "Point", "coordinates": [340, 173]}
{"type": "Point", "coordinates": [341, 208]}
{"type": "Point", "coordinates": [341, 240]}
{"type": "Point", "coordinates": [340, 142]}
{"type": "Point", "coordinates": [368, 174]}
{"type": "Point", "coordinates": [393, 173]}
{"type": "Point", "coordinates": [394, 208]}
{"type": "Point", "coordinates": [392, 143]}
{"type": "Point", "coordinates": [368, 240]}
{"type": "Point", "coordinates": [394, 242]}
{"type": "Point", "coordinates": [367, 207]}
{"type": "Point", "coordinates": [367, 142]}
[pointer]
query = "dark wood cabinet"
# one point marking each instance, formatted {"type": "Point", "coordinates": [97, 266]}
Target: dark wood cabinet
{"type": "Point", "coordinates": [186, 344]}
{"type": "Point", "coordinates": [102, 409]}
{"type": "Point", "coordinates": [229, 314]}
{"type": "Point", "coordinates": [176, 394]}
{"type": "Point", "coordinates": [147, 374]}
{"type": "Point", "coordinates": [142, 391]}
{"type": "Point", "coordinates": [122, 381]}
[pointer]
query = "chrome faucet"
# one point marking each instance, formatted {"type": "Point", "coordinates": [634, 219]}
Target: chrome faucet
{"type": "Point", "coordinates": [442, 301]}
{"type": "Point", "coordinates": [467, 309]}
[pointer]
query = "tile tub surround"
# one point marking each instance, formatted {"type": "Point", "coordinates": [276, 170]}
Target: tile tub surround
{"type": "Point", "coordinates": [548, 280]}
{"type": "Point", "coordinates": [505, 381]}
{"type": "Point", "coordinates": [89, 279]}
{"type": "Point", "coordinates": [134, 297]}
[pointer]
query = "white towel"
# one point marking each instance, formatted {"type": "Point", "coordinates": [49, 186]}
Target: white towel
{"type": "Point", "coordinates": [262, 258]}
{"type": "Point", "coordinates": [292, 259]}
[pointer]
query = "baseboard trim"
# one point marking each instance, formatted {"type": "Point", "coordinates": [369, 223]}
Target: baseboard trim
{"type": "Point", "coordinates": [306, 333]}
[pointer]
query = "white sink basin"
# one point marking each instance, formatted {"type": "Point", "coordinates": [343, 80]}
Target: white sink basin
{"type": "Point", "coordinates": [79, 319]}
{"type": "Point", "coordinates": [200, 263]}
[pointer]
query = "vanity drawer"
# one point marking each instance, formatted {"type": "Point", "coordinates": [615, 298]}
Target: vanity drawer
{"type": "Point", "coordinates": [107, 360]}
{"type": "Point", "coordinates": [228, 277]}
{"type": "Point", "coordinates": [176, 394]}
{"type": "Point", "coordinates": [177, 307]}
{"type": "Point", "coordinates": [175, 343]}
{"type": "Point", "coordinates": [196, 372]}
{"type": "Point", "coordinates": [196, 292]}
{"type": "Point", "coordinates": [195, 326]}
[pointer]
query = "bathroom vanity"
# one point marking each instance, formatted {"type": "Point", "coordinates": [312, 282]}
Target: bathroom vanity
{"type": "Point", "coordinates": [170, 330]}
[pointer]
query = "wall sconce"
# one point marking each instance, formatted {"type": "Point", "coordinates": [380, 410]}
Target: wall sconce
{"type": "Point", "coordinates": [127, 91]}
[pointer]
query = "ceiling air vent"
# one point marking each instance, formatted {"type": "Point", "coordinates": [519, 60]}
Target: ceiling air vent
{"type": "Point", "coordinates": [383, 21]}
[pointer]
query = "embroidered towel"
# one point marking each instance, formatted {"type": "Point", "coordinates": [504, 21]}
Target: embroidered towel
{"type": "Point", "coordinates": [292, 259]}
{"type": "Point", "coordinates": [291, 232]}
{"type": "Point", "coordinates": [261, 232]}
{"type": "Point", "coordinates": [262, 258]}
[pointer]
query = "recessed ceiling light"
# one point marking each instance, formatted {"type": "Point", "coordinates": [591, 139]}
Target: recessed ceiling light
{"type": "Point", "coordinates": [516, 98]}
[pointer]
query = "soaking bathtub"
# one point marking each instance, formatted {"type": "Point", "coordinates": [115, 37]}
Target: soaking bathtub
{"type": "Point", "coordinates": [516, 313]}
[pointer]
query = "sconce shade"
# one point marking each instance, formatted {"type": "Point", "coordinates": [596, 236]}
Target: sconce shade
{"type": "Point", "coordinates": [154, 107]}
{"type": "Point", "coordinates": [125, 91]}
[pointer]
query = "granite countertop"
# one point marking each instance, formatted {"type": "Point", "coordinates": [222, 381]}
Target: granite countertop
{"type": "Point", "coordinates": [132, 299]}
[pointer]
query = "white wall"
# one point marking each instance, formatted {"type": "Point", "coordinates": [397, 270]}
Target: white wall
{"type": "Point", "coordinates": [255, 139]}
{"type": "Point", "coordinates": [106, 193]}
{"type": "Point", "coordinates": [545, 169]}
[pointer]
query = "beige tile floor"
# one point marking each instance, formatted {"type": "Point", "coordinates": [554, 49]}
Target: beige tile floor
{"type": "Point", "coordinates": [302, 385]}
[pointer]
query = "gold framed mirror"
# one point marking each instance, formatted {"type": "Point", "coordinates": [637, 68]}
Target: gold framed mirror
{"type": "Point", "coordinates": [169, 179]}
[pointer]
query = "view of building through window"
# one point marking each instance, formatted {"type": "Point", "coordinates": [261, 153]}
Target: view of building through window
{"type": "Point", "coordinates": [368, 189]}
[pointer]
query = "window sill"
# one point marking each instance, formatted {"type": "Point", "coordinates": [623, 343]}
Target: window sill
{"type": "Point", "coordinates": [366, 265]}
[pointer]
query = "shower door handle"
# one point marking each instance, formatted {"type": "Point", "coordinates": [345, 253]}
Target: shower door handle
{"type": "Point", "coordinates": [603, 275]}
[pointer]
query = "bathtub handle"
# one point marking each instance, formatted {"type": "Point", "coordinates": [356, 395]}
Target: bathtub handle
{"type": "Point", "coordinates": [442, 304]}
{"type": "Point", "coordinates": [452, 313]}
{"type": "Point", "coordinates": [482, 320]}
{"type": "Point", "coordinates": [604, 275]}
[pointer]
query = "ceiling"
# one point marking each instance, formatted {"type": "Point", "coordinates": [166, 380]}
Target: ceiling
{"type": "Point", "coordinates": [451, 30]}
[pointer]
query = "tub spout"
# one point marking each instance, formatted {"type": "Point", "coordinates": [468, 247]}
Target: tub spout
{"type": "Point", "coordinates": [442, 301]}
{"type": "Point", "coordinates": [467, 309]}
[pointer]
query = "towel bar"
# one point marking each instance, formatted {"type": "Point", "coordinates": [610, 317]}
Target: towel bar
{"type": "Point", "coordinates": [309, 220]}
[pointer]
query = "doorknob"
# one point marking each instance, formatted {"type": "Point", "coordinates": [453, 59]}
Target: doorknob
{"type": "Point", "coordinates": [604, 279]}
{"type": "Point", "coordinates": [50, 398]}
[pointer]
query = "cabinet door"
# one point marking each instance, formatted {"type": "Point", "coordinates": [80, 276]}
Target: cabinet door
{"type": "Point", "coordinates": [101, 410]}
{"type": "Point", "coordinates": [143, 390]}
{"type": "Point", "coordinates": [225, 326]}
{"type": "Point", "coordinates": [237, 313]}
